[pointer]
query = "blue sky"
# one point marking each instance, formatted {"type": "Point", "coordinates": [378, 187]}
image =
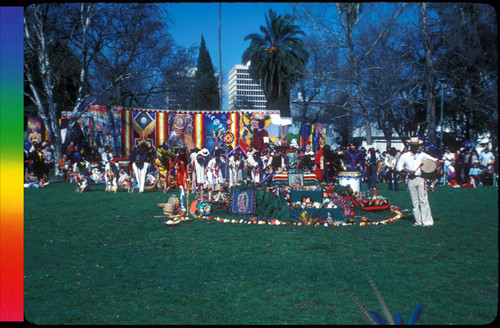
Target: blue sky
{"type": "Point", "coordinates": [191, 20]}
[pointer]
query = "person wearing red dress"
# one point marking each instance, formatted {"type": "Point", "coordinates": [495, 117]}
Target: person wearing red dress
{"type": "Point", "coordinates": [181, 168]}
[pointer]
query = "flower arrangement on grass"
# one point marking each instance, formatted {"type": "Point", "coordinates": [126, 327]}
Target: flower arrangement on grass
{"type": "Point", "coordinates": [304, 219]}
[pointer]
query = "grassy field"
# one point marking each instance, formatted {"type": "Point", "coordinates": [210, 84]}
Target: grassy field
{"type": "Point", "coordinates": [103, 258]}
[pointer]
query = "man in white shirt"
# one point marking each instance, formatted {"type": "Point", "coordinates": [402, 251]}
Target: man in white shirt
{"type": "Point", "coordinates": [410, 162]}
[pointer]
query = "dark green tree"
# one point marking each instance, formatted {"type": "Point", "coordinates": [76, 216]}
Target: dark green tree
{"type": "Point", "coordinates": [277, 59]}
{"type": "Point", "coordinates": [206, 90]}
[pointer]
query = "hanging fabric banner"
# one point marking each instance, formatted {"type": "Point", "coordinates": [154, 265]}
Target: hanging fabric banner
{"type": "Point", "coordinates": [219, 130]}
{"type": "Point", "coordinates": [124, 128]}
{"type": "Point", "coordinates": [319, 137]}
{"type": "Point", "coordinates": [306, 135]}
{"type": "Point", "coordinates": [144, 123]}
{"type": "Point", "coordinates": [198, 130]}
{"type": "Point", "coordinates": [180, 130]}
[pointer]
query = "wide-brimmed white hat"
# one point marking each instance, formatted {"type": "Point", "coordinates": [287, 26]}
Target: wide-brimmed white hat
{"type": "Point", "coordinates": [415, 141]}
{"type": "Point", "coordinates": [204, 152]}
{"type": "Point", "coordinates": [293, 144]}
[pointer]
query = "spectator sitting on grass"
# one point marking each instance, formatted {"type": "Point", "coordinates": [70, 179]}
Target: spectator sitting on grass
{"type": "Point", "coordinates": [476, 173]}
{"type": "Point", "coordinates": [31, 180]}
{"type": "Point", "coordinates": [489, 174]}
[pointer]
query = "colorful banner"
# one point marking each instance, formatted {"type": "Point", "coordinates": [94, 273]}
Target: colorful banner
{"type": "Point", "coordinates": [249, 119]}
{"type": "Point", "coordinates": [319, 136]}
{"type": "Point", "coordinates": [102, 127]}
{"type": "Point", "coordinates": [306, 135]}
{"type": "Point", "coordinates": [218, 130]}
{"type": "Point", "coordinates": [144, 127]}
{"type": "Point", "coordinates": [34, 129]}
{"type": "Point", "coordinates": [178, 129]}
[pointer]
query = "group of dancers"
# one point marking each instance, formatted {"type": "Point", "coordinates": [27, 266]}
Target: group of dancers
{"type": "Point", "coordinates": [200, 170]}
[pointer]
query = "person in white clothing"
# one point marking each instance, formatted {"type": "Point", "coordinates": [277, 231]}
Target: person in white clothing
{"type": "Point", "coordinates": [138, 158]}
{"type": "Point", "coordinates": [448, 158]}
{"type": "Point", "coordinates": [107, 156]}
{"type": "Point", "coordinates": [410, 162]}
{"type": "Point", "coordinates": [214, 171]}
{"type": "Point", "coordinates": [192, 168]}
{"type": "Point", "coordinates": [111, 176]}
{"type": "Point", "coordinates": [234, 165]}
{"type": "Point", "coordinates": [200, 167]}
{"type": "Point", "coordinates": [255, 165]}
{"type": "Point", "coordinates": [81, 169]}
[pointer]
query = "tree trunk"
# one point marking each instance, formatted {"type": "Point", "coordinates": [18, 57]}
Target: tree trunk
{"type": "Point", "coordinates": [351, 16]}
{"type": "Point", "coordinates": [429, 77]}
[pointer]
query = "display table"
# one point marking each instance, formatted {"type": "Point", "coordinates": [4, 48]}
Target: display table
{"type": "Point", "coordinates": [309, 179]}
{"type": "Point", "coordinates": [315, 195]}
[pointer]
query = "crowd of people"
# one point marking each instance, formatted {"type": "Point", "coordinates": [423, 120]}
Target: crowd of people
{"type": "Point", "coordinates": [204, 170]}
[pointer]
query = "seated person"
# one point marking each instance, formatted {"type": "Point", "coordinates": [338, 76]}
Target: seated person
{"type": "Point", "coordinates": [476, 173]}
{"type": "Point", "coordinates": [489, 174]}
{"type": "Point", "coordinates": [124, 180]}
{"type": "Point", "coordinates": [450, 172]}
{"type": "Point", "coordinates": [31, 181]}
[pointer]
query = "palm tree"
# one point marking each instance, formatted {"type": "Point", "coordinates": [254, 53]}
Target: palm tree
{"type": "Point", "coordinates": [277, 59]}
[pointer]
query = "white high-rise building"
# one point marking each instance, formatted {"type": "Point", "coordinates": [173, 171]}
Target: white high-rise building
{"type": "Point", "coordinates": [243, 91]}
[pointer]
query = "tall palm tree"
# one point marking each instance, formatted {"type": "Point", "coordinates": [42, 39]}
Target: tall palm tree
{"type": "Point", "coordinates": [277, 59]}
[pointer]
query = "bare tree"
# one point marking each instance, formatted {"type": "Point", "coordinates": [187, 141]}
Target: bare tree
{"type": "Point", "coordinates": [103, 44]}
{"type": "Point", "coordinates": [352, 67]}
{"type": "Point", "coordinates": [41, 28]}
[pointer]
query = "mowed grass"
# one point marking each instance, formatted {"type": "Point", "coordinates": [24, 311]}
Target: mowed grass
{"type": "Point", "coordinates": [103, 258]}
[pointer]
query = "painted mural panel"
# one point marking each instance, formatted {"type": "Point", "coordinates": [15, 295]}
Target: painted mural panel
{"type": "Point", "coordinates": [126, 127]}
{"type": "Point", "coordinates": [319, 136]}
{"type": "Point", "coordinates": [34, 129]}
{"type": "Point", "coordinates": [102, 127]}
{"type": "Point", "coordinates": [218, 130]}
{"type": "Point", "coordinates": [144, 127]}
{"type": "Point", "coordinates": [250, 121]}
{"type": "Point", "coordinates": [180, 130]}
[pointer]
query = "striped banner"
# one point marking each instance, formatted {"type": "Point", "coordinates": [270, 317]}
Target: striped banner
{"type": "Point", "coordinates": [199, 130]}
{"type": "Point", "coordinates": [234, 128]}
{"type": "Point", "coordinates": [161, 128]}
{"type": "Point", "coordinates": [306, 133]}
{"type": "Point", "coordinates": [127, 129]}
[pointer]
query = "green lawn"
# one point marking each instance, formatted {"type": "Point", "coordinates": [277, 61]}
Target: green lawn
{"type": "Point", "coordinates": [103, 258]}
